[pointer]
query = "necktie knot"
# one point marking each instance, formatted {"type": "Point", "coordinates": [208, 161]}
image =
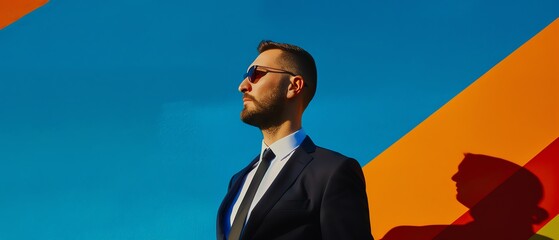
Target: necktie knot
{"type": "Point", "coordinates": [268, 155]}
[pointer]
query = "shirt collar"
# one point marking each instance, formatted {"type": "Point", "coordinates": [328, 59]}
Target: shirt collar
{"type": "Point", "coordinates": [286, 145]}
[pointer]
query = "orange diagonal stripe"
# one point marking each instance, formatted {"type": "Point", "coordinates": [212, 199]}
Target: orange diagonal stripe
{"type": "Point", "coordinates": [12, 10]}
{"type": "Point", "coordinates": [511, 112]}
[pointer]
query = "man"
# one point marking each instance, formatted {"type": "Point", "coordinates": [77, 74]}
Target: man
{"type": "Point", "coordinates": [293, 189]}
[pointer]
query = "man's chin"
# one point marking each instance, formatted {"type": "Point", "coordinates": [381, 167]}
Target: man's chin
{"type": "Point", "coordinates": [248, 117]}
{"type": "Point", "coordinates": [248, 108]}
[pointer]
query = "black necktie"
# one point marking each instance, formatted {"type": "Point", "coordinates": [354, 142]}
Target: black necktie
{"type": "Point", "coordinates": [242, 212]}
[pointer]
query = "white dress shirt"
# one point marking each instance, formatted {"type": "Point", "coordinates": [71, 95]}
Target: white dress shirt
{"type": "Point", "coordinates": [283, 149]}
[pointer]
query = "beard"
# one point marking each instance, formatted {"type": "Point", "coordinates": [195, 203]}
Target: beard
{"type": "Point", "coordinates": [265, 113]}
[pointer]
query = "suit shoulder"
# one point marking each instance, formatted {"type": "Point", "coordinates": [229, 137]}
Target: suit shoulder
{"type": "Point", "coordinates": [332, 157]}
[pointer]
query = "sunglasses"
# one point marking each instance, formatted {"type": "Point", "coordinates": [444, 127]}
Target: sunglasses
{"type": "Point", "coordinates": [255, 72]}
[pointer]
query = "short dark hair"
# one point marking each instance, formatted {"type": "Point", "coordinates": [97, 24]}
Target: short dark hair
{"type": "Point", "coordinates": [296, 60]}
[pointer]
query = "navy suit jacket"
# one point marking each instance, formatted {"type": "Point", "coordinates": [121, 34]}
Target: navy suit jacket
{"type": "Point", "coordinates": [319, 194]}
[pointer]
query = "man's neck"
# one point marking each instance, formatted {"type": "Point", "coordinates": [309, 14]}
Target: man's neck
{"type": "Point", "coordinates": [272, 134]}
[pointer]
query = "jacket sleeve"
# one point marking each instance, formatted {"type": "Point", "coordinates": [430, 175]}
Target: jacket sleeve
{"type": "Point", "coordinates": [344, 212]}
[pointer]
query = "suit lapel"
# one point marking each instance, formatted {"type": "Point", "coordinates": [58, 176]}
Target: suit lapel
{"type": "Point", "coordinates": [234, 187]}
{"type": "Point", "coordinates": [287, 176]}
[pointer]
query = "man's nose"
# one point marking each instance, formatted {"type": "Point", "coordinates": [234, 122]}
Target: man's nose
{"type": "Point", "coordinates": [245, 86]}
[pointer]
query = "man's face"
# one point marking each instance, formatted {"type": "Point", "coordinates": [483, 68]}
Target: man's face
{"type": "Point", "coordinates": [264, 100]}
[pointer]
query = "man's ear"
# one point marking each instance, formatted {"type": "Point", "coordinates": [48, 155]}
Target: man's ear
{"type": "Point", "coordinates": [295, 87]}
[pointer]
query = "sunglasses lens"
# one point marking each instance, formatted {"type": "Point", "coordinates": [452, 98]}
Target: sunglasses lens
{"type": "Point", "coordinates": [253, 74]}
{"type": "Point", "coordinates": [257, 75]}
{"type": "Point", "coordinates": [249, 74]}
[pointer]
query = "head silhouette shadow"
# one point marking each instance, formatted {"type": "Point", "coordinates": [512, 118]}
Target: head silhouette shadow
{"type": "Point", "coordinates": [503, 200]}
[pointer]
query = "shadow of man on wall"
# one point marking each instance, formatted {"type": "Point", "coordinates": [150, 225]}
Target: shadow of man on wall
{"type": "Point", "coordinates": [502, 198]}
